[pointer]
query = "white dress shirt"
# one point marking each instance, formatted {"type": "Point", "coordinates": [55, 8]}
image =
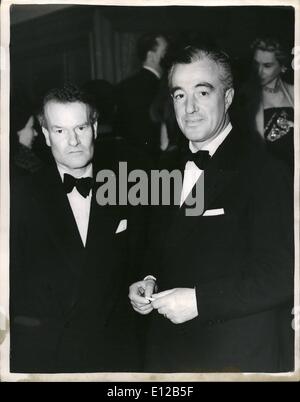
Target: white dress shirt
{"type": "Point", "coordinates": [191, 170]}
{"type": "Point", "coordinates": [80, 206]}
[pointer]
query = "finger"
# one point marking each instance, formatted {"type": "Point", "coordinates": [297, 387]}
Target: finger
{"type": "Point", "coordinates": [146, 307]}
{"type": "Point", "coordinates": [140, 305]}
{"type": "Point", "coordinates": [163, 312]}
{"type": "Point", "coordinates": [137, 288]}
{"type": "Point", "coordinates": [149, 287]}
{"type": "Point", "coordinates": [138, 299]}
{"type": "Point", "coordinates": [162, 294]}
{"type": "Point", "coordinates": [142, 312]}
{"type": "Point", "coordinates": [159, 303]}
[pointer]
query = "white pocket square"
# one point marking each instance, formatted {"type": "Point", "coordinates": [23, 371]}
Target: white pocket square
{"type": "Point", "coordinates": [213, 212]}
{"type": "Point", "coordinates": [122, 226]}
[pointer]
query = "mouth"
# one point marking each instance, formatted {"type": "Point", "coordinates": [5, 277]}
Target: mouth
{"type": "Point", "coordinates": [74, 151]}
{"type": "Point", "coordinates": [193, 122]}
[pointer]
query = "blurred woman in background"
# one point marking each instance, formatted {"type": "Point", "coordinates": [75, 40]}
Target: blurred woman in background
{"type": "Point", "coordinates": [268, 100]}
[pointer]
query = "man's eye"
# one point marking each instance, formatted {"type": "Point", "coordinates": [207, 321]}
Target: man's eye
{"type": "Point", "coordinates": [58, 130]}
{"type": "Point", "coordinates": [202, 93]}
{"type": "Point", "coordinates": [82, 128]}
{"type": "Point", "coordinates": [178, 96]}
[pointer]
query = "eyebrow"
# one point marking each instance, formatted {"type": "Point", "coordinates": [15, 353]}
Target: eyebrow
{"type": "Point", "coordinates": [205, 84]}
{"type": "Point", "coordinates": [266, 62]}
{"type": "Point", "coordinates": [200, 84]}
{"type": "Point", "coordinates": [77, 125]}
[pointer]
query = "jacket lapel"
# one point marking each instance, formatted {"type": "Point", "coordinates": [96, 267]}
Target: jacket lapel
{"type": "Point", "coordinates": [63, 233]}
{"type": "Point", "coordinates": [98, 270]}
{"type": "Point", "coordinates": [58, 212]}
{"type": "Point", "coordinates": [222, 169]}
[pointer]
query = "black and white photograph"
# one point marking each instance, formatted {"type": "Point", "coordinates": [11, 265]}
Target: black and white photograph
{"type": "Point", "coordinates": [149, 191]}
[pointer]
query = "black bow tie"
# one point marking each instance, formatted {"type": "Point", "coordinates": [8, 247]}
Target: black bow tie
{"type": "Point", "coordinates": [200, 158]}
{"type": "Point", "coordinates": [82, 185]}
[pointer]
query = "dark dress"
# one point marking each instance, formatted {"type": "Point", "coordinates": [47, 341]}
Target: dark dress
{"type": "Point", "coordinates": [278, 134]}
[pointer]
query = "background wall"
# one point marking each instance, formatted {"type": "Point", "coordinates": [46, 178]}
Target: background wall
{"type": "Point", "coordinates": [51, 44]}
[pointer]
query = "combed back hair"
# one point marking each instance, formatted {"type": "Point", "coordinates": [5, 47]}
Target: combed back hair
{"type": "Point", "coordinates": [191, 54]}
{"type": "Point", "coordinates": [270, 44]}
{"type": "Point", "coordinates": [146, 43]}
{"type": "Point", "coordinates": [68, 93]}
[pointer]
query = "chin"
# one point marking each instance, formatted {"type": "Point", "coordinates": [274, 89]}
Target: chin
{"type": "Point", "coordinates": [78, 164]}
{"type": "Point", "coordinates": [194, 135]}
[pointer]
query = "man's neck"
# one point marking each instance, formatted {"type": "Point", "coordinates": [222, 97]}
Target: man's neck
{"type": "Point", "coordinates": [205, 145]}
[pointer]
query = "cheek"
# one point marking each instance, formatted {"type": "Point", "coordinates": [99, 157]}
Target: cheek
{"type": "Point", "coordinates": [88, 142]}
{"type": "Point", "coordinates": [277, 71]}
{"type": "Point", "coordinates": [58, 147]}
{"type": "Point", "coordinates": [179, 113]}
{"type": "Point", "coordinates": [268, 72]}
{"type": "Point", "coordinates": [211, 110]}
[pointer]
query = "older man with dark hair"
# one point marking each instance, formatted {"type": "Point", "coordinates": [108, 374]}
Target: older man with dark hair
{"type": "Point", "coordinates": [225, 277]}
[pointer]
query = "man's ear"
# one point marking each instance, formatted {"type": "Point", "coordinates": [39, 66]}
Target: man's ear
{"type": "Point", "coordinates": [46, 135]}
{"type": "Point", "coordinates": [95, 127]}
{"type": "Point", "coordinates": [150, 57]}
{"type": "Point", "coordinates": [229, 94]}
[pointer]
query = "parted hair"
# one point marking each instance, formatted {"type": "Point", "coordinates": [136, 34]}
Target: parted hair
{"type": "Point", "coordinates": [271, 44]}
{"type": "Point", "coordinates": [192, 53]}
{"type": "Point", "coordinates": [68, 93]}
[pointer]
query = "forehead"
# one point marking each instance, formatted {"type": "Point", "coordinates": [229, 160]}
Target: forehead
{"type": "Point", "coordinates": [264, 56]}
{"type": "Point", "coordinates": [66, 114]}
{"type": "Point", "coordinates": [200, 71]}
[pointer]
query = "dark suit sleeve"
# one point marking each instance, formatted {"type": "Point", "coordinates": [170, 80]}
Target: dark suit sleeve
{"type": "Point", "coordinates": [265, 277]}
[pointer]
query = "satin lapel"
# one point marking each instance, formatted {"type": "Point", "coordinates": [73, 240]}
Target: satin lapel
{"type": "Point", "coordinates": [103, 223]}
{"type": "Point", "coordinates": [99, 272]}
{"type": "Point", "coordinates": [217, 177]}
{"type": "Point", "coordinates": [58, 213]}
{"type": "Point", "coordinates": [63, 233]}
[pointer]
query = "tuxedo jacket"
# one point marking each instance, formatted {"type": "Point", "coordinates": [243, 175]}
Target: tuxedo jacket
{"type": "Point", "coordinates": [238, 255]}
{"type": "Point", "coordinates": [69, 308]}
{"type": "Point", "coordinates": [134, 98]}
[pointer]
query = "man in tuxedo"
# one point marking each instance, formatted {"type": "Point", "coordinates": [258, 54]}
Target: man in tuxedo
{"type": "Point", "coordinates": [70, 257]}
{"type": "Point", "coordinates": [220, 287]}
{"type": "Point", "coordinates": [136, 94]}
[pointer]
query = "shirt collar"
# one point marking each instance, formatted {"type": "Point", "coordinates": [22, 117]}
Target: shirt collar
{"type": "Point", "coordinates": [155, 72]}
{"type": "Point", "coordinates": [214, 144]}
{"type": "Point", "coordinates": [88, 173]}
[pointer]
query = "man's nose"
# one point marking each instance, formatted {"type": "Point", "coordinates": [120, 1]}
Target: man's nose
{"type": "Point", "coordinates": [191, 104]}
{"type": "Point", "coordinates": [73, 138]}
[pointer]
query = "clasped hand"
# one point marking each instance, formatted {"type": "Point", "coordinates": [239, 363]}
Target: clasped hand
{"type": "Point", "coordinates": [178, 305]}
